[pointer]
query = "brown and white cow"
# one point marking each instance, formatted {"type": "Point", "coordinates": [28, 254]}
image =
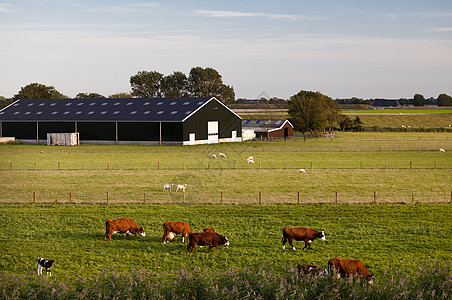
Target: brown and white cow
{"type": "Point", "coordinates": [175, 227]}
{"type": "Point", "coordinates": [211, 239]}
{"type": "Point", "coordinates": [349, 267]}
{"type": "Point", "coordinates": [305, 234]}
{"type": "Point", "coordinates": [122, 225]}
{"type": "Point", "coordinates": [308, 269]}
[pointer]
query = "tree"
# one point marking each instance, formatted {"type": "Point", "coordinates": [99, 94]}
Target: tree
{"type": "Point", "coordinates": [146, 84]}
{"type": "Point", "coordinates": [121, 95]}
{"type": "Point", "coordinates": [5, 101]}
{"type": "Point", "coordinates": [207, 82]}
{"type": "Point", "coordinates": [444, 100]}
{"type": "Point", "coordinates": [312, 111]}
{"type": "Point", "coordinates": [175, 85]}
{"type": "Point", "coordinates": [89, 96]}
{"type": "Point", "coordinates": [38, 91]}
{"type": "Point", "coordinates": [418, 100]}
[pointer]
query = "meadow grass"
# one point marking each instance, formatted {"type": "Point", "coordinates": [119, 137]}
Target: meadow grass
{"type": "Point", "coordinates": [361, 168]}
{"type": "Point", "coordinates": [382, 236]}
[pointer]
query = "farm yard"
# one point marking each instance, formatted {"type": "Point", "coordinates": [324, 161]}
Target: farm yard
{"type": "Point", "coordinates": [400, 183]}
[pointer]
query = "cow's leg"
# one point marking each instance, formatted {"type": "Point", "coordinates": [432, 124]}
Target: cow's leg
{"type": "Point", "coordinates": [291, 243]}
{"type": "Point", "coordinates": [183, 237]}
{"type": "Point", "coordinates": [284, 241]}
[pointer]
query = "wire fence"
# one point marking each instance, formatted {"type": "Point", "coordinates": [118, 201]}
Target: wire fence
{"type": "Point", "coordinates": [221, 198]}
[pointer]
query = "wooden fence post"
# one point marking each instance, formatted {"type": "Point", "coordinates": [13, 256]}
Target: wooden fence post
{"type": "Point", "coordinates": [58, 165]}
{"type": "Point", "coordinates": [10, 165]}
{"type": "Point", "coordinates": [260, 198]}
{"type": "Point", "coordinates": [336, 197]}
{"type": "Point", "coordinates": [144, 197]}
{"type": "Point", "coordinates": [34, 197]}
{"type": "Point", "coordinates": [411, 164]}
{"type": "Point", "coordinates": [107, 197]}
{"type": "Point", "coordinates": [70, 197]}
{"type": "Point", "coordinates": [221, 199]}
{"type": "Point", "coordinates": [375, 197]}
{"type": "Point", "coordinates": [412, 197]}
{"type": "Point", "coordinates": [298, 202]}
{"type": "Point", "coordinates": [158, 165]}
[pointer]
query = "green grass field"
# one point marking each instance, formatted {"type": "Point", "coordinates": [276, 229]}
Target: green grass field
{"type": "Point", "coordinates": [382, 236]}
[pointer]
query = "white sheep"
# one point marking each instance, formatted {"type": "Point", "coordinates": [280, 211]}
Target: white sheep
{"type": "Point", "coordinates": [181, 187]}
{"type": "Point", "coordinates": [441, 150]}
{"type": "Point", "coordinates": [168, 187]}
{"type": "Point", "coordinates": [222, 155]}
{"type": "Point", "coordinates": [214, 156]}
{"type": "Point", "coordinates": [250, 161]}
{"type": "Point", "coordinates": [302, 171]}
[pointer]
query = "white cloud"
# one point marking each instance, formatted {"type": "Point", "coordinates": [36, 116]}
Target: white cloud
{"type": "Point", "coordinates": [443, 29]}
{"type": "Point", "coordinates": [237, 14]}
{"type": "Point", "coordinates": [4, 7]}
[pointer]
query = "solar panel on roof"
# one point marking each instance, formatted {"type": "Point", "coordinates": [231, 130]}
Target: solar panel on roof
{"type": "Point", "coordinates": [258, 121]}
{"type": "Point", "coordinates": [278, 122]}
{"type": "Point", "coordinates": [30, 104]}
{"type": "Point", "coordinates": [159, 103]}
{"type": "Point", "coordinates": [40, 104]}
{"type": "Point", "coordinates": [188, 112]}
{"type": "Point", "coordinates": [186, 103]}
{"type": "Point", "coordinates": [172, 103]}
{"type": "Point", "coordinates": [53, 104]}
{"type": "Point", "coordinates": [160, 112]}
{"type": "Point", "coordinates": [174, 112]}
{"type": "Point", "coordinates": [147, 103]}
{"type": "Point", "coordinates": [104, 112]}
{"type": "Point", "coordinates": [247, 121]}
{"type": "Point", "coordinates": [105, 103]}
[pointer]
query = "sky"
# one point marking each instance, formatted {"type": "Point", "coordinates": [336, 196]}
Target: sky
{"type": "Point", "coordinates": [366, 49]}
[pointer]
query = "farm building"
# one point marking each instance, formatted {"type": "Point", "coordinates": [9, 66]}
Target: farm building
{"type": "Point", "coordinates": [273, 129]}
{"type": "Point", "coordinates": [385, 103]}
{"type": "Point", "coordinates": [178, 121]}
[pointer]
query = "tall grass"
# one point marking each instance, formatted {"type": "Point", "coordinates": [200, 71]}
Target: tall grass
{"type": "Point", "coordinates": [432, 281]}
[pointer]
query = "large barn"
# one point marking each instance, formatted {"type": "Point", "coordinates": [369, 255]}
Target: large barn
{"type": "Point", "coordinates": [178, 121]}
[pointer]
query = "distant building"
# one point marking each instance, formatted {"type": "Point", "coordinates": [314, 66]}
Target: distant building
{"type": "Point", "coordinates": [385, 103]}
{"type": "Point", "coordinates": [178, 121]}
{"type": "Point", "coordinates": [273, 129]}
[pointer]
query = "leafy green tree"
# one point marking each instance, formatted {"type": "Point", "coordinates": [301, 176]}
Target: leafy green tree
{"type": "Point", "coordinates": [5, 101]}
{"type": "Point", "coordinates": [146, 84]}
{"type": "Point", "coordinates": [89, 96]}
{"type": "Point", "coordinates": [345, 123]}
{"type": "Point", "coordinates": [207, 82]}
{"type": "Point", "coordinates": [175, 85]}
{"type": "Point", "coordinates": [444, 100]}
{"type": "Point", "coordinates": [418, 100]}
{"type": "Point", "coordinates": [121, 95]}
{"type": "Point", "coordinates": [312, 111]}
{"type": "Point", "coordinates": [38, 91]}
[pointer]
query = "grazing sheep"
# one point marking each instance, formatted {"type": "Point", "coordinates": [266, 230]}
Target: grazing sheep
{"type": "Point", "coordinates": [214, 156]}
{"type": "Point", "coordinates": [168, 187]}
{"type": "Point", "coordinates": [250, 161]}
{"type": "Point", "coordinates": [403, 126]}
{"type": "Point", "coordinates": [441, 150]}
{"type": "Point", "coordinates": [181, 187]}
{"type": "Point", "coordinates": [222, 155]}
{"type": "Point", "coordinates": [250, 158]}
{"type": "Point", "coordinates": [302, 171]}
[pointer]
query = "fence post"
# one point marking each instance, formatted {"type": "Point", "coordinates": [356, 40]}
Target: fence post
{"type": "Point", "coordinates": [412, 197]}
{"type": "Point", "coordinates": [298, 202]}
{"type": "Point", "coordinates": [260, 198]}
{"type": "Point", "coordinates": [450, 196]}
{"type": "Point", "coordinates": [375, 197]}
{"type": "Point", "coordinates": [107, 197]}
{"type": "Point", "coordinates": [34, 197]}
{"type": "Point", "coordinates": [58, 165]}
{"type": "Point", "coordinates": [10, 165]}
{"type": "Point", "coordinates": [158, 165]}
{"type": "Point", "coordinates": [221, 199]}
{"type": "Point", "coordinates": [411, 164]}
{"type": "Point", "coordinates": [70, 197]}
{"type": "Point", "coordinates": [336, 197]}
{"type": "Point", "coordinates": [144, 197]}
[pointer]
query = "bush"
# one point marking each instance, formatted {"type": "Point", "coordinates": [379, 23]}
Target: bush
{"type": "Point", "coordinates": [430, 281]}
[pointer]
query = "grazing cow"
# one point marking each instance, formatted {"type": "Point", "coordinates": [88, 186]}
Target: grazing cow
{"type": "Point", "coordinates": [301, 234]}
{"type": "Point", "coordinates": [181, 187]}
{"type": "Point", "coordinates": [174, 228]}
{"type": "Point", "coordinates": [308, 269]}
{"type": "Point", "coordinates": [168, 187]}
{"type": "Point", "coordinates": [349, 267]}
{"type": "Point", "coordinates": [122, 225]}
{"type": "Point", "coordinates": [211, 239]}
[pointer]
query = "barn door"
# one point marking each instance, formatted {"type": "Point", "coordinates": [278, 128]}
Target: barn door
{"type": "Point", "coordinates": [234, 135]}
{"type": "Point", "coordinates": [212, 132]}
{"type": "Point", "coordinates": [192, 140]}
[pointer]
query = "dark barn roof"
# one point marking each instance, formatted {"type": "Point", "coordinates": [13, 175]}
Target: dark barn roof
{"type": "Point", "coordinates": [385, 103]}
{"type": "Point", "coordinates": [262, 125]}
{"type": "Point", "coordinates": [110, 109]}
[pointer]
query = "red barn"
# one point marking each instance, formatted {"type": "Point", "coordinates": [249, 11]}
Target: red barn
{"type": "Point", "coordinates": [271, 129]}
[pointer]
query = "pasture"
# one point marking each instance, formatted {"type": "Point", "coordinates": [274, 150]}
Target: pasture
{"type": "Point", "coordinates": [382, 236]}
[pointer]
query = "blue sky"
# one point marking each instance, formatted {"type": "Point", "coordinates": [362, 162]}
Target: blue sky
{"type": "Point", "coordinates": [366, 49]}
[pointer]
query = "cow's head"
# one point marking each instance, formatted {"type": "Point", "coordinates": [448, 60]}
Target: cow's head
{"type": "Point", "coordinates": [225, 241]}
{"type": "Point", "coordinates": [141, 231]}
{"type": "Point", "coordinates": [370, 279]}
{"type": "Point", "coordinates": [322, 236]}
